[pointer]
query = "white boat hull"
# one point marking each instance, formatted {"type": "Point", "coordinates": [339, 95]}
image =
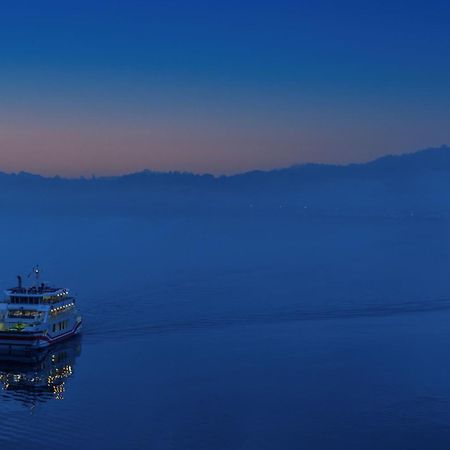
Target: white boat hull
{"type": "Point", "coordinates": [22, 339]}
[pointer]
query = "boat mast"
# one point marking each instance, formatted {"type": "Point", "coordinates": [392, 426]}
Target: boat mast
{"type": "Point", "coordinates": [37, 273]}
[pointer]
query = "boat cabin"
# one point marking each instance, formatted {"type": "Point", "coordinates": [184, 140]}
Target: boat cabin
{"type": "Point", "coordinates": [36, 295]}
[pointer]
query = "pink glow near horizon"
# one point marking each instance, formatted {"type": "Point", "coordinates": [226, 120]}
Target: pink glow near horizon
{"type": "Point", "coordinates": [86, 150]}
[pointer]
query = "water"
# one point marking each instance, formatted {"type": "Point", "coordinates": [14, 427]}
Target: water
{"type": "Point", "coordinates": [245, 333]}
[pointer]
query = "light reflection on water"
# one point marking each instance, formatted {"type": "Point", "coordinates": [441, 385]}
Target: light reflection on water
{"type": "Point", "coordinates": [31, 377]}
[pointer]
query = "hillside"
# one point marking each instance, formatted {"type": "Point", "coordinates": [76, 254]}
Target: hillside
{"type": "Point", "coordinates": [415, 183]}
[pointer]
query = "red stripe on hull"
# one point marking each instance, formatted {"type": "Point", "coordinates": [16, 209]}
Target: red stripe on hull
{"type": "Point", "coordinates": [5, 336]}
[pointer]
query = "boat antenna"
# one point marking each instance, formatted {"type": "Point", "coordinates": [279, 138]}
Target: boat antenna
{"type": "Point", "coordinates": [37, 272]}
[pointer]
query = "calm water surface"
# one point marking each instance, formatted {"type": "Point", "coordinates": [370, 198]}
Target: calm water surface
{"type": "Point", "coordinates": [280, 334]}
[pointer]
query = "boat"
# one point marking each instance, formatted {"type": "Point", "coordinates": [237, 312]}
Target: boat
{"type": "Point", "coordinates": [36, 316]}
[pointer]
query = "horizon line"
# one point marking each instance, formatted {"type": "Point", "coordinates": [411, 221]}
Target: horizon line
{"type": "Point", "coordinates": [94, 176]}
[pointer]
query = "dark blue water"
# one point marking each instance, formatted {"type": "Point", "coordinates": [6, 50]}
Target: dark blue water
{"type": "Point", "coordinates": [249, 333]}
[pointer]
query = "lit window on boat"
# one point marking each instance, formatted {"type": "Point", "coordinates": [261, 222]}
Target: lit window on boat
{"type": "Point", "coordinates": [22, 314]}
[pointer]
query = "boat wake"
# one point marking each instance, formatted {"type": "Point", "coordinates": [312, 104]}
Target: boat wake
{"type": "Point", "coordinates": [110, 326]}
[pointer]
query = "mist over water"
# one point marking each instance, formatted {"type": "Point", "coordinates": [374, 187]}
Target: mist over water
{"type": "Point", "coordinates": [240, 325]}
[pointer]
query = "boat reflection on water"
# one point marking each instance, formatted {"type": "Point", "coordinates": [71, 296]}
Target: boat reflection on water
{"type": "Point", "coordinates": [40, 375]}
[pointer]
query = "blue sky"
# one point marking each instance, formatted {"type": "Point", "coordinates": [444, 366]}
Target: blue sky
{"type": "Point", "coordinates": [112, 87]}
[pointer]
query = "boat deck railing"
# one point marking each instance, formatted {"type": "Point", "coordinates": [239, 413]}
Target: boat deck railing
{"type": "Point", "coordinates": [43, 289]}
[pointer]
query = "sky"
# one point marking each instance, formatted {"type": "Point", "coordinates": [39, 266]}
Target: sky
{"type": "Point", "coordinates": [93, 87]}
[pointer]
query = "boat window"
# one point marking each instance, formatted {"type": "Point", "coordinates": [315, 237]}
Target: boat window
{"type": "Point", "coordinates": [63, 325]}
{"type": "Point", "coordinates": [22, 314]}
{"type": "Point", "coordinates": [25, 300]}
